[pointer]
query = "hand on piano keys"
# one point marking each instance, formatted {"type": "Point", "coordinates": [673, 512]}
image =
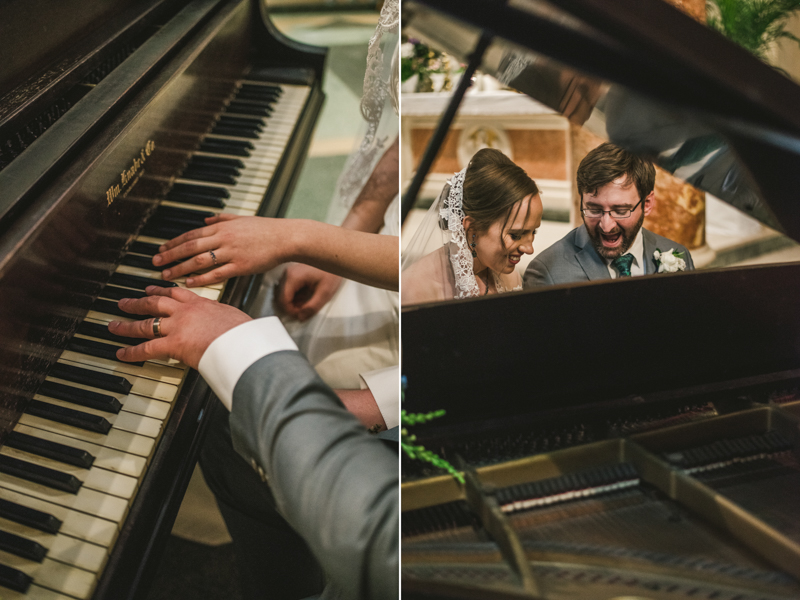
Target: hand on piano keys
{"type": "Point", "coordinates": [230, 246]}
{"type": "Point", "coordinates": [188, 324]}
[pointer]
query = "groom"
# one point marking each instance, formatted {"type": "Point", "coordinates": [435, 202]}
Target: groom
{"type": "Point", "coordinates": [616, 189]}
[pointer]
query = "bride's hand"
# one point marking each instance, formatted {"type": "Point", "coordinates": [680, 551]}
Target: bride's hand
{"type": "Point", "coordinates": [230, 246]}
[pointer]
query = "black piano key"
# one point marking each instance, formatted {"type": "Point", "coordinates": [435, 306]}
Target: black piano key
{"type": "Point", "coordinates": [257, 76]}
{"type": "Point", "coordinates": [48, 449]}
{"type": "Point", "coordinates": [201, 190]}
{"type": "Point", "coordinates": [256, 95]}
{"type": "Point", "coordinates": [100, 330]}
{"type": "Point", "coordinates": [88, 398]}
{"type": "Point", "coordinates": [248, 99]}
{"type": "Point", "coordinates": [20, 546]}
{"type": "Point", "coordinates": [144, 248]}
{"type": "Point", "coordinates": [68, 416]}
{"type": "Point", "coordinates": [200, 175]}
{"type": "Point", "coordinates": [235, 132]}
{"type": "Point", "coordinates": [183, 214]}
{"type": "Point", "coordinates": [166, 231]}
{"type": "Point", "coordinates": [103, 381]}
{"type": "Point", "coordinates": [252, 122]}
{"type": "Point", "coordinates": [143, 262]}
{"type": "Point", "coordinates": [38, 474]}
{"type": "Point", "coordinates": [240, 144]}
{"type": "Point", "coordinates": [257, 91]}
{"type": "Point", "coordinates": [216, 148]}
{"type": "Point", "coordinates": [111, 308]}
{"type": "Point", "coordinates": [248, 110]}
{"type": "Point", "coordinates": [14, 579]}
{"type": "Point", "coordinates": [218, 160]}
{"type": "Point", "coordinates": [139, 283]}
{"type": "Point", "coordinates": [174, 222]}
{"type": "Point", "coordinates": [199, 200]}
{"type": "Point", "coordinates": [113, 292]}
{"type": "Point", "coordinates": [29, 517]}
{"type": "Point", "coordinates": [98, 349]}
{"type": "Point", "coordinates": [217, 169]}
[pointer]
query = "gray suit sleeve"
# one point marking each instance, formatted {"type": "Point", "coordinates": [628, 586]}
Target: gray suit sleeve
{"type": "Point", "coordinates": [536, 274]}
{"type": "Point", "coordinates": [688, 259]}
{"type": "Point", "coordinates": [333, 482]}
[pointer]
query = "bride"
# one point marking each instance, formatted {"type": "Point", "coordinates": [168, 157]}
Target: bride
{"type": "Point", "coordinates": [484, 220]}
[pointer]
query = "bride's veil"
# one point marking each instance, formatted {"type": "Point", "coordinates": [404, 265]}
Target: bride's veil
{"type": "Point", "coordinates": [431, 233]}
{"type": "Point", "coordinates": [380, 109]}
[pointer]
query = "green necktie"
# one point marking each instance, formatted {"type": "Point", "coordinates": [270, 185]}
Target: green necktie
{"type": "Point", "coordinates": [623, 265]}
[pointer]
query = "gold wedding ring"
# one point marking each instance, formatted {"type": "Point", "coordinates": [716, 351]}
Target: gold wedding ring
{"type": "Point", "coordinates": [157, 327]}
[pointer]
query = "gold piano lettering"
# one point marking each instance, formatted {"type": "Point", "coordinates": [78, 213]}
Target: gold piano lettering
{"type": "Point", "coordinates": [131, 175]}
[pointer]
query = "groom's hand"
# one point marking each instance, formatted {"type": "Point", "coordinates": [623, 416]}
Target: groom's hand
{"type": "Point", "coordinates": [304, 290]}
{"type": "Point", "coordinates": [188, 324]}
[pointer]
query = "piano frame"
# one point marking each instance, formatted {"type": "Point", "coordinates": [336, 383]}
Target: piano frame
{"type": "Point", "coordinates": [63, 235]}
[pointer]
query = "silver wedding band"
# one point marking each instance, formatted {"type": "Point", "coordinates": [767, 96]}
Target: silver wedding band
{"type": "Point", "coordinates": [157, 327]}
{"type": "Point", "coordinates": [213, 257]}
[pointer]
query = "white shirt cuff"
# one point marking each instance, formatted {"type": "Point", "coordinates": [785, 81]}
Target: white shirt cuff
{"type": "Point", "coordinates": [385, 387]}
{"type": "Point", "coordinates": [232, 353]}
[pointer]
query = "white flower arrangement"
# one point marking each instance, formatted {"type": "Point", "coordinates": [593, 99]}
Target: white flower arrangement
{"type": "Point", "coordinates": [670, 261]}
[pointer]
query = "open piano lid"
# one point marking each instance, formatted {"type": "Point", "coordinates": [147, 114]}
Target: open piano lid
{"type": "Point", "coordinates": [649, 78]}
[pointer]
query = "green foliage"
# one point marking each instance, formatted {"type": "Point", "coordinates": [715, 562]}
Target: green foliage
{"type": "Point", "coordinates": [753, 24]}
{"type": "Point", "coordinates": [416, 451]}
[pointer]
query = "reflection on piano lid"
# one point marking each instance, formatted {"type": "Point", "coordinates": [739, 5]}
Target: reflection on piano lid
{"type": "Point", "coordinates": [632, 439]}
{"type": "Point", "coordinates": [192, 108]}
{"type": "Point", "coordinates": [701, 107]}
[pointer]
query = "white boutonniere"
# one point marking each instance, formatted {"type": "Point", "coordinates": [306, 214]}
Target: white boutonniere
{"type": "Point", "coordinates": [670, 261]}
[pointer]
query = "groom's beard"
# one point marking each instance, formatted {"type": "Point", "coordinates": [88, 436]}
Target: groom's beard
{"type": "Point", "coordinates": [628, 237]}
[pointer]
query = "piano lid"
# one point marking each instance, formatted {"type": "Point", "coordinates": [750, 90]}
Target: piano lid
{"type": "Point", "coordinates": [646, 77]}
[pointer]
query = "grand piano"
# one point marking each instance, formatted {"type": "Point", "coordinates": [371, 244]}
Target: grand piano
{"type": "Point", "coordinates": [122, 124]}
{"type": "Point", "coordinates": [632, 439]}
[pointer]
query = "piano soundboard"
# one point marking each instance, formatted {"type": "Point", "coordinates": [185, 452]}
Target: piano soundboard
{"type": "Point", "coordinates": [74, 462]}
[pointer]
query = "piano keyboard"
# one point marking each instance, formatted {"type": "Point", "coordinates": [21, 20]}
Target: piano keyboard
{"type": "Point", "coordinates": [73, 464]}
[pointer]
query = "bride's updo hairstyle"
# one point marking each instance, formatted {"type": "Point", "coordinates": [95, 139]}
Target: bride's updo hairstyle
{"type": "Point", "coordinates": [493, 184]}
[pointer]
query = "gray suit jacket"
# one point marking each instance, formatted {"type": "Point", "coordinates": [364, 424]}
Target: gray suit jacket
{"type": "Point", "coordinates": [336, 484]}
{"type": "Point", "coordinates": [573, 258]}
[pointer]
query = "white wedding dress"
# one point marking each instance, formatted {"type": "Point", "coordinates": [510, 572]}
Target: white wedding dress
{"type": "Point", "coordinates": [358, 329]}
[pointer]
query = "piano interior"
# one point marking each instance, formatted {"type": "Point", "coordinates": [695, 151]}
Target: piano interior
{"type": "Point", "coordinates": [676, 478]}
{"type": "Point", "coordinates": [122, 124]}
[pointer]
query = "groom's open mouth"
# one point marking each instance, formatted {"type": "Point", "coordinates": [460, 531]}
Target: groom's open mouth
{"type": "Point", "coordinates": [611, 240]}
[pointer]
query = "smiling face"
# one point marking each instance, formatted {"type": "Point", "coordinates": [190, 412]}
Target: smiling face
{"type": "Point", "coordinates": [501, 246]}
{"type": "Point", "coordinates": [613, 236]}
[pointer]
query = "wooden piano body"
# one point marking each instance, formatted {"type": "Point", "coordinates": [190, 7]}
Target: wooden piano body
{"type": "Point", "coordinates": [105, 111]}
{"type": "Point", "coordinates": [634, 439]}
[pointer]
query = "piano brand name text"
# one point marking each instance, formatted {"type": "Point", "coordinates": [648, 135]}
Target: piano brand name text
{"type": "Point", "coordinates": [131, 175]}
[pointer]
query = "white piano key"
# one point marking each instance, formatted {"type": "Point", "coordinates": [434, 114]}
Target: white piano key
{"type": "Point", "coordinates": [73, 523]}
{"type": "Point", "coordinates": [105, 458]}
{"type": "Point", "coordinates": [116, 439]}
{"type": "Point", "coordinates": [211, 294]}
{"type": "Point", "coordinates": [149, 370]}
{"type": "Point", "coordinates": [87, 501]}
{"type": "Point", "coordinates": [63, 548]}
{"type": "Point", "coordinates": [150, 388]}
{"type": "Point", "coordinates": [156, 275]}
{"type": "Point", "coordinates": [54, 575]}
{"type": "Point", "coordinates": [93, 478]}
{"type": "Point", "coordinates": [35, 592]}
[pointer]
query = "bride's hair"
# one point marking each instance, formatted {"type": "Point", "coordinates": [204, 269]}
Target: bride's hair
{"type": "Point", "coordinates": [493, 184]}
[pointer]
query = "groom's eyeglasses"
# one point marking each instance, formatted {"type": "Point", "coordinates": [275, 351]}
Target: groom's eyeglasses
{"type": "Point", "coordinates": [616, 213]}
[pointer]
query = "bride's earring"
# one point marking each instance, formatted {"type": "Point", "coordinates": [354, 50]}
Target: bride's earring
{"type": "Point", "coordinates": [474, 254]}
